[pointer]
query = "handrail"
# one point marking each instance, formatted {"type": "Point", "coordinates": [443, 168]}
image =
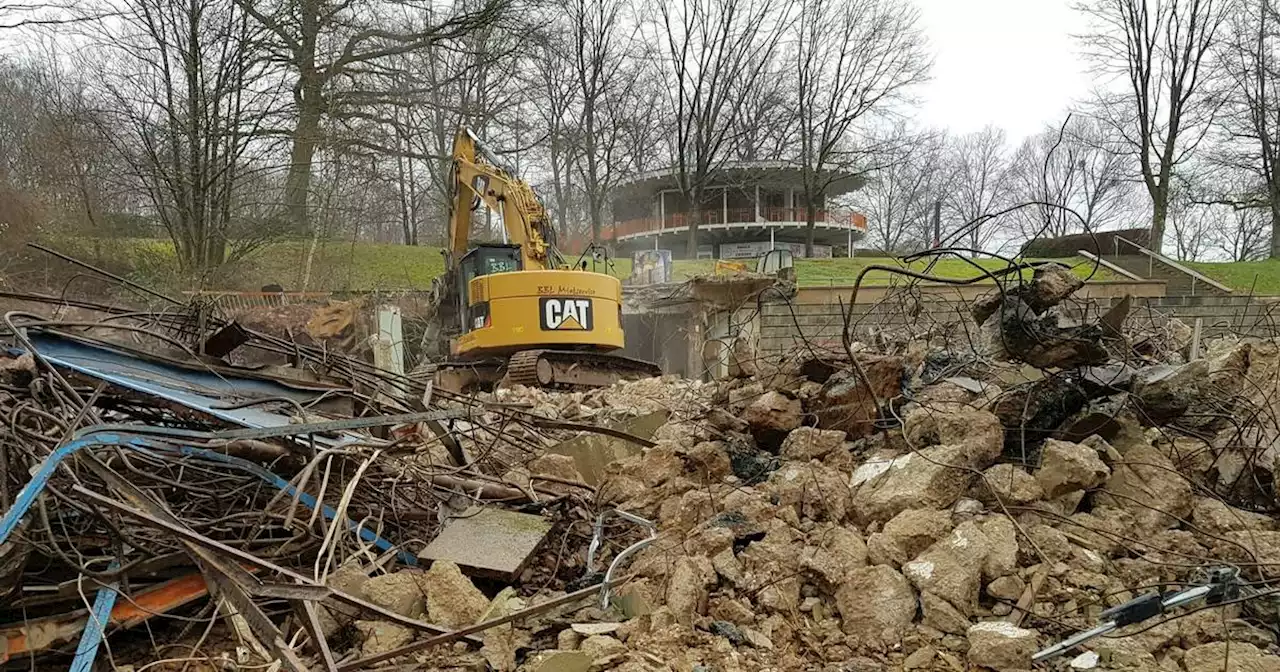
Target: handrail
{"type": "Point", "coordinates": [1110, 266]}
{"type": "Point", "coordinates": [1177, 266]}
{"type": "Point", "coordinates": [744, 216]}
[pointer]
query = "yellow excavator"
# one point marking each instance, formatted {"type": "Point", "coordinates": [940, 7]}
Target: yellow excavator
{"type": "Point", "coordinates": [517, 309]}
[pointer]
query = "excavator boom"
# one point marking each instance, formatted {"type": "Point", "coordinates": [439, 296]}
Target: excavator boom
{"type": "Point", "coordinates": [479, 177]}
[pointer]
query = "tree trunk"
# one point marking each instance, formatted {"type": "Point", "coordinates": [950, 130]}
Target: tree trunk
{"type": "Point", "coordinates": [1159, 214]}
{"type": "Point", "coordinates": [1275, 228]}
{"type": "Point", "coordinates": [597, 217]}
{"type": "Point", "coordinates": [811, 228]}
{"type": "Point", "coordinates": [306, 136]}
{"type": "Point", "coordinates": [695, 216]}
{"type": "Point", "coordinates": [402, 192]}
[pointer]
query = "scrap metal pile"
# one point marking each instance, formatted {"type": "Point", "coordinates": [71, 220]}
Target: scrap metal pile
{"type": "Point", "coordinates": [917, 504]}
{"type": "Point", "coordinates": [152, 489]}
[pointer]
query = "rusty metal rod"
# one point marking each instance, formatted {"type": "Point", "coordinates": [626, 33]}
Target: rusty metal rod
{"type": "Point", "coordinates": [249, 558]}
{"type": "Point", "coordinates": [478, 627]}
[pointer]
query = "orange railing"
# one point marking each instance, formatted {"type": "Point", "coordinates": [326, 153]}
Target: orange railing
{"type": "Point", "coordinates": [740, 216]}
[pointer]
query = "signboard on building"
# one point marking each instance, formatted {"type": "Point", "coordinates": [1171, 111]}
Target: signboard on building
{"type": "Point", "coordinates": [751, 250]}
{"type": "Point", "coordinates": [650, 266]}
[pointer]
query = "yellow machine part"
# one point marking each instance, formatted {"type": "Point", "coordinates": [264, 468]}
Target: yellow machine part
{"type": "Point", "coordinates": [521, 310]}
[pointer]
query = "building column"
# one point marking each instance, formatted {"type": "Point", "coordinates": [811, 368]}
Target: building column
{"type": "Point", "coordinates": [771, 245]}
{"type": "Point", "coordinates": [791, 204]}
{"type": "Point", "coordinates": [724, 205]}
{"type": "Point", "coordinates": [757, 203]}
{"type": "Point", "coordinates": [662, 209]}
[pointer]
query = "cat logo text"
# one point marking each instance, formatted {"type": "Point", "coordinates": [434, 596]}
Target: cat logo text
{"type": "Point", "coordinates": [565, 314]}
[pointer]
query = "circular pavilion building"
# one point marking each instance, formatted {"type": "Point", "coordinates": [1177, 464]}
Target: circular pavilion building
{"type": "Point", "coordinates": [749, 209]}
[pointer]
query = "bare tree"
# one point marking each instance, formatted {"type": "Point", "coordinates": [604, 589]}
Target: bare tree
{"type": "Point", "coordinates": [1080, 165]}
{"type": "Point", "coordinates": [470, 82]}
{"type": "Point", "coordinates": [1193, 225]}
{"type": "Point", "coordinates": [852, 59]}
{"type": "Point", "coordinates": [1160, 51]}
{"type": "Point", "coordinates": [898, 199]}
{"type": "Point", "coordinates": [16, 14]}
{"type": "Point", "coordinates": [766, 128]}
{"type": "Point", "coordinates": [606, 84]}
{"type": "Point", "coordinates": [557, 99]}
{"type": "Point", "coordinates": [1249, 141]}
{"type": "Point", "coordinates": [979, 167]}
{"type": "Point", "coordinates": [337, 53]}
{"type": "Point", "coordinates": [714, 53]}
{"type": "Point", "coordinates": [1249, 235]}
{"type": "Point", "coordinates": [181, 84]}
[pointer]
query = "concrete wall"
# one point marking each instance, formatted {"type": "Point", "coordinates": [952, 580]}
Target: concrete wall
{"type": "Point", "coordinates": [785, 326]}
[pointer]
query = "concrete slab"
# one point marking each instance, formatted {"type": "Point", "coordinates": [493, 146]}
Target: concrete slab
{"type": "Point", "coordinates": [591, 453]}
{"type": "Point", "coordinates": [489, 542]}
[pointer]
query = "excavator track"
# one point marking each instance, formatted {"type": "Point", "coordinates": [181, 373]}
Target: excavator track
{"type": "Point", "coordinates": [575, 368]}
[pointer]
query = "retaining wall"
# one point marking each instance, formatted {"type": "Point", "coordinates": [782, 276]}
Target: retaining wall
{"type": "Point", "coordinates": [784, 326]}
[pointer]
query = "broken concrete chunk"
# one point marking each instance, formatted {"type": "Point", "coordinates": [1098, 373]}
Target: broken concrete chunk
{"type": "Point", "coordinates": [568, 640]}
{"type": "Point", "coordinates": [558, 661]}
{"type": "Point", "coordinates": [687, 587]}
{"type": "Point", "coordinates": [846, 403]}
{"type": "Point", "coordinates": [561, 467]}
{"type": "Point", "coordinates": [952, 567]}
{"type": "Point", "coordinates": [1002, 547]}
{"type": "Point", "coordinates": [710, 461]}
{"type": "Point", "coordinates": [1252, 546]}
{"type": "Point", "coordinates": [743, 395]}
{"type": "Point", "coordinates": [978, 432]}
{"type": "Point", "coordinates": [502, 642]}
{"type": "Point", "coordinates": [809, 443]}
{"type": "Point", "coordinates": [756, 638]}
{"type": "Point", "coordinates": [1001, 646]}
{"type": "Point", "coordinates": [1213, 516]}
{"type": "Point", "coordinates": [876, 605]}
{"type": "Point", "coordinates": [725, 421]}
{"type": "Point", "coordinates": [381, 636]}
{"type": "Point", "coordinates": [1209, 385]}
{"type": "Point", "coordinates": [883, 488]}
{"type": "Point", "coordinates": [1101, 530]}
{"type": "Point", "coordinates": [596, 647]}
{"type": "Point", "coordinates": [1050, 285]}
{"type": "Point", "coordinates": [1008, 484]}
{"type": "Point", "coordinates": [771, 417]}
{"type": "Point", "coordinates": [1007, 588]}
{"type": "Point", "coordinates": [1233, 656]}
{"type": "Point", "coordinates": [1147, 485]}
{"type": "Point", "coordinates": [452, 600]}
{"type": "Point", "coordinates": [660, 464]}
{"type": "Point", "coordinates": [815, 490]}
{"type": "Point", "coordinates": [906, 535]}
{"type": "Point", "coordinates": [731, 610]}
{"type": "Point", "coordinates": [1066, 467]}
{"type": "Point", "coordinates": [349, 578]}
{"type": "Point", "coordinates": [940, 615]}
{"type": "Point", "coordinates": [398, 592]}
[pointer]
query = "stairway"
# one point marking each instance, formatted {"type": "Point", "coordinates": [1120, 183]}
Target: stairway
{"type": "Point", "coordinates": [1180, 280]}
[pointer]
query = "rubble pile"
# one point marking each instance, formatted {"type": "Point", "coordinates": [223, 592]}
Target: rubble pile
{"type": "Point", "coordinates": [907, 508]}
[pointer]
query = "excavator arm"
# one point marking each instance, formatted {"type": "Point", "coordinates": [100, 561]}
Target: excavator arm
{"type": "Point", "coordinates": [477, 177]}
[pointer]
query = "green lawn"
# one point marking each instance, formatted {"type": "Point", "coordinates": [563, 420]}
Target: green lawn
{"type": "Point", "coordinates": [339, 266]}
{"type": "Point", "coordinates": [1263, 277]}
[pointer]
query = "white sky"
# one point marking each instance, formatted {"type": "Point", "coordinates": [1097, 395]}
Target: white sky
{"type": "Point", "coordinates": [1010, 63]}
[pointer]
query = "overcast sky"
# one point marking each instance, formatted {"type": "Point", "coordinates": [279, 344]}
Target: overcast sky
{"type": "Point", "coordinates": [1010, 63]}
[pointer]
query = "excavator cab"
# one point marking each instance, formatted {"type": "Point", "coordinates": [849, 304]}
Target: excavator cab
{"type": "Point", "coordinates": [478, 261]}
